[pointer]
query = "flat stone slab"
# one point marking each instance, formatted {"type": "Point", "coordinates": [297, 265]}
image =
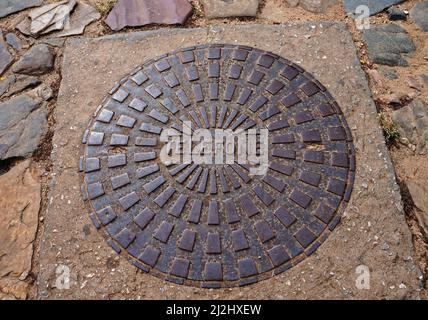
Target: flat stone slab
{"type": "Point", "coordinates": [70, 18]}
{"type": "Point", "coordinates": [230, 8]}
{"type": "Point", "coordinates": [20, 203]}
{"type": "Point", "coordinates": [8, 7]}
{"type": "Point", "coordinates": [412, 123]}
{"type": "Point", "coordinates": [84, 15]}
{"type": "Point", "coordinates": [36, 61]}
{"type": "Point", "coordinates": [419, 15]}
{"type": "Point", "coordinates": [13, 41]}
{"type": "Point", "coordinates": [17, 83]}
{"type": "Point", "coordinates": [6, 59]}
{"type": "Point", "coordinates": [22, 126]}
{"type": "Point", "coordinates": [317, 6]}
{"type": "Point", "coordinates": [373, 231]}
{"type": "Point", "coordinates": [375, 6]}
{"type": "Point", "coordinates": [135, 13]}
{"type": "Point", "coordinates": [388, 44]}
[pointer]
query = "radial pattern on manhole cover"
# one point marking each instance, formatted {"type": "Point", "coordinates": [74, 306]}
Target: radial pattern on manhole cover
{"type": "Point", "coordinates": [217, 225]}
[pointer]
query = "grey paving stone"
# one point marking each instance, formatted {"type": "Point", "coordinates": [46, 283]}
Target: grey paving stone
{"type": "Point", "coordinates": [13, 41]}
{"type": "Point", "coordinates": [412, 123]}
{"type": "Point", "coordinates": [230, 8]}
{"type": "Point", "coordinates": [37, 61]}
{"type": "Point", "coordinates": [375, 6]}
{"type": "Point", "coordinates": [5, 84]}
{"type": "Point", "coordinates": [419, 15]}
{"type": "Point", "coordinates": [8, 7]}
{"type": "Point", "coordinates": [22, 126]}
{"type": "Point", "coordinates": [15, 84]}
{"type": "Point", "coordinates": [387, 44]}
{"type": "Point", "coordinates": [6, 58]}
{"type": "Point", "coordinates": [317, 6]}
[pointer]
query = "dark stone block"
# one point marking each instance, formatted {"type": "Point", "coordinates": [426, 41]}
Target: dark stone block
{"type": "Point", "coordinates": [144, 218]}
{"type": "Point", "coordinates": [213, 243]}
{"type": "Point", "coordinates": [300, 198]}
{"type": "Point", "coordinates": [164, 231]}
{"type": "Point", "coordinates": [305, 237]}
{"type": "Point", "coordinates": [285, 217]}
{"type": "Point", "coordinates": [125, 238]}
{"type": "Point", "coordinates": [187, 240]}
{"type": "Point", "coordinates": [213, 271]}
{"type": "Point", "coordinates": [239, 240]}
{"type": "Point", "coordinates": [180, 267]}
{"type": "Point", "coordinates": [247, 268]}
{"type": "Point", "coordinates": [150, 256]}
{"type": "Point", "coordinates": [278, 255]}
{"type": "Point", "coordinates": [264, 231]}
{"type": "Point", "coordinates": [129, 200]}
{"type": "Point", "coordinates": [95, 190]}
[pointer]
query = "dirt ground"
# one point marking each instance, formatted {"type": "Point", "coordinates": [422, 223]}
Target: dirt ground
{"type": "Point", "coordinates": [408, 165]}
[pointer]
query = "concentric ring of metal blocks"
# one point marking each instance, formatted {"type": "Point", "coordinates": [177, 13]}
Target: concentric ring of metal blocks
{"type": "Point", "coordinates": [217, 226]}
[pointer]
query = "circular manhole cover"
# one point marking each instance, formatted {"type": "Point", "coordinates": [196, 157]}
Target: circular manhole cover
{"type": "Point", "coordinates": [217, 224]}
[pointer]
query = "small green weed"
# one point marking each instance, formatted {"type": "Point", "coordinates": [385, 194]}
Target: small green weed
{"type": "Point", "coordinates": [390, 130]}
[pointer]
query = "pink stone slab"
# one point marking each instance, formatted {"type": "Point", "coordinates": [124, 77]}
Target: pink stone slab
{"type": "Point", "coordinates": [135, 13]}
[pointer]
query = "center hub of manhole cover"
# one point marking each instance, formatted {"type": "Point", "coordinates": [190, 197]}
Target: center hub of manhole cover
{"type": "Point", "coordinates": [217, 224]}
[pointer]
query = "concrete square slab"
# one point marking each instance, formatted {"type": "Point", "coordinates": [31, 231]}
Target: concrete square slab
{"type": "Point", "coordinates": [373, 238]}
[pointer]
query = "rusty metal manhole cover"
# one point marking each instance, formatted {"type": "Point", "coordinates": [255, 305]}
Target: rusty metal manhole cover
{"type": "Point", "coordinates": [217, 225]}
